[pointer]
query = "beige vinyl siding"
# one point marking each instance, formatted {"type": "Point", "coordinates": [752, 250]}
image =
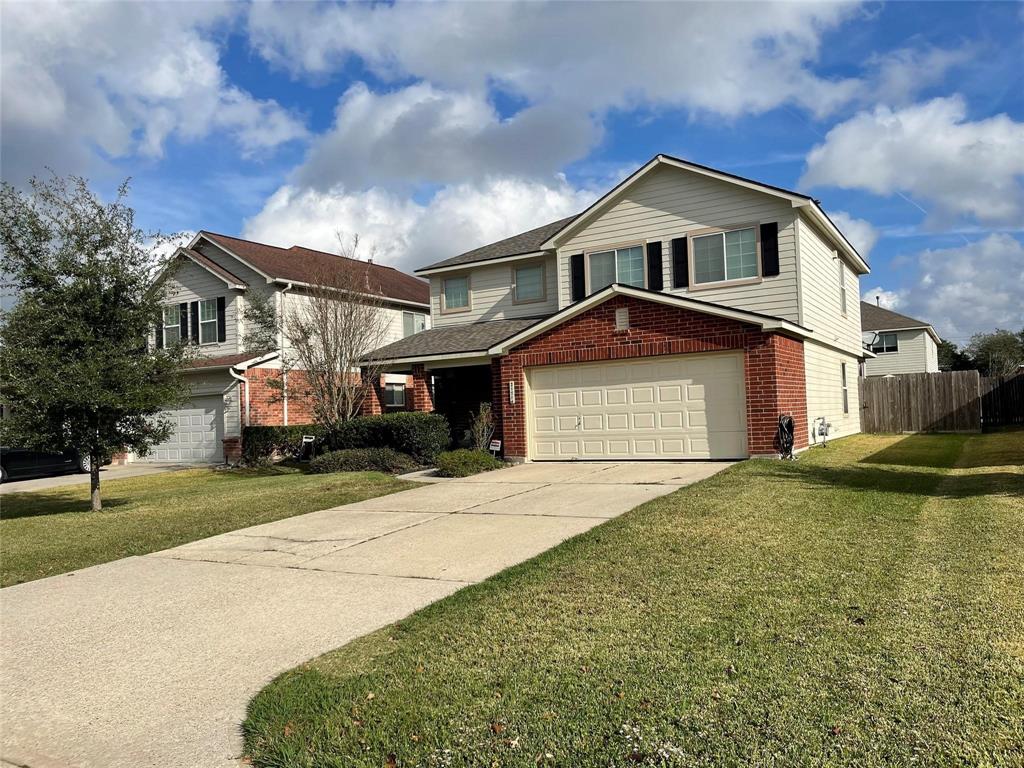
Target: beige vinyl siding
{"type": "Point", "coordinates": [670, 203]}
{"type": "Point", "coordinates": [931, 354]}
{"type": "Point", "coordinates": [824, 389]}
{"type": "Point", "coordinates": [193, 283]}
{"type": "Point", "coordinates": [223, 259]}
{"type": "Point", "coordinates": [296, 300]}
{"type": "Point", "coordinates": [912, 355]}
{"type": "Point", "coordinates": [820, 295]}
{"type": "Point", "coordinates": [491, 298]}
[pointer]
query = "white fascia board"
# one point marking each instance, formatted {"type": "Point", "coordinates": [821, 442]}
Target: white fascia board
{"type": "Point", "coordinates": [763, 322]}
{"type": "Point", "coordinates": [373, 296]}
{"type": "Point", "coordinates": [246, 364]}
{"type": "Point", "coordinates": [229, 283]}
{"type": "Point", "coordinates": [931, 331]}
{"type": "Point", "coordinates": [462, 357]}
{"type": "Point", "coordinates": [200, 236]}
{"type": "Point", "coordinates": [821, 219]}
{"type": "Point", "coordinates": [483, 263]}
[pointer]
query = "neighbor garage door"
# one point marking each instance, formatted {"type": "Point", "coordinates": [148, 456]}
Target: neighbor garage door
{"type": "Point", "coordinates": [686, 407]}
{"type": "Point", "coordinates": [198, 432]}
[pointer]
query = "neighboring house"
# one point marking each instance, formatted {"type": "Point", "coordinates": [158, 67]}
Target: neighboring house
{"type": "Point", "coordinates": [213, 278]}
{"type": "Point", "coordinates": [900, 344]}
{"type": "Point", "coordinates": [678, 317]}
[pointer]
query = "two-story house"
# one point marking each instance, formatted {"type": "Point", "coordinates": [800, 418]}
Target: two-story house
{"type": "Point", "coordinates": [212, 280]}
{"type": "Point", "coordinates": [900, 344]}
{"type": "Point", "coordinates": [677, 317]}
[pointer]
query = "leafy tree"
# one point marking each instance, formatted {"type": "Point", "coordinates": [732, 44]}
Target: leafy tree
{"type": "Point", "coordinates": [1000, 353]}
{"type": "Point", "coordinates": [261, 326]}
{"type": "Point", "coordinates": [76, 371]}
{"type": "Point", "coordinates": [951, 358]}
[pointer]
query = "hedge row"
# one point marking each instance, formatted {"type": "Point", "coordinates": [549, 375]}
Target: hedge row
{"type": "Point", "coordinates": [464, 462]}
{"type": "Point", "coordinates": [420, 435]}
{"type": "Point", "coordinates": [263, 444]}
{"type": "Point", "coordinates": [363, 460]}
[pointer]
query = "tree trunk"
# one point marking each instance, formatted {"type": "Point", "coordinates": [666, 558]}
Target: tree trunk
{"type": "Point", "coordinates": [94, 482]}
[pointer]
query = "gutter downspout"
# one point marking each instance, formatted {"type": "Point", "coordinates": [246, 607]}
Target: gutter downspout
{"type": "Point", "coordinates": [280, 346]}
{"type": "Point", "coordinates": [245, 381]}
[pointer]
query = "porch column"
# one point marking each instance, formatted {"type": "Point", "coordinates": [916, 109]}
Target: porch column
{"type": "Point", "coordinates": [419, 396]}
{"type": "Point", "coordinates": [373, 402]}
{"type": "Point", "coordinates": [776, 384]}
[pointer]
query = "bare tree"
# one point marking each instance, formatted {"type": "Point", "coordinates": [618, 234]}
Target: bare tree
{"type": "Point", "coordinates": [331, 329]}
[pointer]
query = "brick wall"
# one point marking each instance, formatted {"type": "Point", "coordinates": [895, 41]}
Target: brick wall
{"type": "Point", "coordinates": [266, 405]}
{"type": "Point", "coordinates": [774, 364]}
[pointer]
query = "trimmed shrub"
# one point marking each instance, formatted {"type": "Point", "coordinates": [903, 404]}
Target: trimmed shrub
{"type": "Point", "coordinates": [421, 435]}
{"type": "Point", "coordinates": [363, 460]}
{"type": "Point", "coordinates": [263, 444]}
{"type": "Point", "coordinates": [464, 462]}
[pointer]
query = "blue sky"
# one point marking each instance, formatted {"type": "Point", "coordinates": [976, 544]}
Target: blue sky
{"type": "Point", "coordinates": [431, 129]}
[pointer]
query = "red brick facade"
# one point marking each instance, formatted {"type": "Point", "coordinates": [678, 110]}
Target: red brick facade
{"type": "Point", "coordinates": [267, 403]}
{"type": "Point", "coordinates": [774, 364]}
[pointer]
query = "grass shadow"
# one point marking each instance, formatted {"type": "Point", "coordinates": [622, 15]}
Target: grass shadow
{"type": "Point", "coordinates": [17, 505]}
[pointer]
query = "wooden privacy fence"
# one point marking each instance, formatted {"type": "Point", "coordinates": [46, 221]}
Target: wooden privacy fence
{"type": "Point", "coordinates": [1002, 400]}
{"type": "Point", "coordinates": [949, 401]}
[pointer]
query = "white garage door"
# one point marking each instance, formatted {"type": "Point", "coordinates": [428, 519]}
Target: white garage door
{"type": "Point", "coordinates": [686, 407]}
{"type": "Point", "coordinates": [198, 432]}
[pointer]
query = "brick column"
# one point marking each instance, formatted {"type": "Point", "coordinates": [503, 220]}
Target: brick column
{"type": "Point", "coordinates": [419, 396]}
{"type": "Point", "coordinates": [373, 401]}
{"type": "Point", "coordinates": [232, 450]}
{"type": "Point", "coordinates": [513, 414]}
{"type": "Point", "coordinates": [776, 385]}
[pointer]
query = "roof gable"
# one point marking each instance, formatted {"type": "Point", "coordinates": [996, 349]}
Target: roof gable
{"type": "Point", "coordinates": [875, 318]}
{"type": "Point", "coordinates": [518, 245]}
{"type": "Point", "coordinates": [302, 266]}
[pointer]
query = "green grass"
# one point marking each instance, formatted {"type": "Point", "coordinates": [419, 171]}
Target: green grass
{"type": "Point", "coordinates": [861, 606]}
{"type": "Point", "coordinates": [53, 531]}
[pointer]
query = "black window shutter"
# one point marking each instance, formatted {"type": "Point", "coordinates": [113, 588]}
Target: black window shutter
{"type": "Point", "coordinates": [654, 276]}
{"type": "Point", "coordinates": [577, 279]}
{"type": "Point", "coordinates": [183, 321]}
{"type": "Point", "coordinates": [770, 249]}
{"type": "Point", "coordinates": [680, 263]}
{"type": "Point", "coordinates": [222, 321]}
{"type": "Point", "coordinates": [194, 325]}
{"type": "Point", "coordinates": [160, 331]}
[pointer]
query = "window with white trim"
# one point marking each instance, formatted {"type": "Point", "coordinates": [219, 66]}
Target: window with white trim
{"type": "Point", "coordinates": [455, 294]}
{"type": "Point", "coordinates": [723, 256]}
{"type": "Point", "coordinates": [619, 265]}
{"type": "Point", "coordinates": [846, 391]}
{"type": "Point", "coordinates": [528, 283]}
{"type": "Point", "coordinates": [885, 343]}
{"type": "Point", "coordinates": [842, 288]}
{"type": "Point", "coordinates": [413, 322]}
{"type": "Point", "coordinates": [208, 321]}
{"type": "Point", "coordinates": [394, 395]}
{"type": "Point", "coordinates": [172, 325]}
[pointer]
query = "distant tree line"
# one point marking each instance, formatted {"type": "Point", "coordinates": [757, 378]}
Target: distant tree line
{"type": "Point", "coordinates": [1000, 353]}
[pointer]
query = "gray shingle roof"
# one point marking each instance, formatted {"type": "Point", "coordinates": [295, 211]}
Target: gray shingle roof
{"type": "Point", "coordinates": [452, 339]}
{"type": "Point", "coordinates": [875, 318]}
{"type": "Point", "coordinates": [525, 242]}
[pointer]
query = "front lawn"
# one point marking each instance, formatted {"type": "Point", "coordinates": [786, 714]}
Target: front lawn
{"type": "Point", "coordinates": [53, 531]}
{"type": "Point", "coordinates": [861, 606]}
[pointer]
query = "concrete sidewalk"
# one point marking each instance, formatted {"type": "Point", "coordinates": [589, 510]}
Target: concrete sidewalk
{"type": "Point", "coordinates": [150, 661]}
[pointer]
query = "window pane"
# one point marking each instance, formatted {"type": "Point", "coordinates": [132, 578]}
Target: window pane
{"type": "Point", "coordinates": [172, 316]}
{"type": "Point", "coordinates": [407, 324]}
{"type": "Point", "coordinates": [207, 331]}
{"type": "Point", "coordinates": [394, 394]}
{"type": "Point", "coordinates": [708, 259]}
{"type": "Point", "coordinates": [602, 270]}
{"type": "Point", "coordinates": [172, 334]}
{"type": "Point", "coordinates": [630, 262]}
{"type": "Point", "coordinates": [740, 254]}
{"type": "Point", "coordinates": [456, 292]}
{"type": "Point", "coordinates": [208, 309]}
{"type": "Point", "coordinates": [529, 283]}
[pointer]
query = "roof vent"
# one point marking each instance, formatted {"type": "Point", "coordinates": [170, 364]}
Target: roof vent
{"type": "Point", "coordinates": [622, 319]}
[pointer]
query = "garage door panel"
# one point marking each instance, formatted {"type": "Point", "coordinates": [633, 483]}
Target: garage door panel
{"type": "Point", "coordinates": [687, 406]}
{"type": "Point", "coordinates": [196, 433]}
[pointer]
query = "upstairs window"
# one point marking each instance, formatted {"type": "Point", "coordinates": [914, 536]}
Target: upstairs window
{"type": "Point", "coordinates": [528, 284]}
{"type": "Point", "coordinates": [885, 343]}
{"type": "Point", "coordinates": [725, 256]}
{"type": "Point", "coordinates": [207, 321]}
{"type": "Point", "coordinates": [172, 325]}
{"type": "Point", "coordinates": [413, 322]}
{"type": "Point", "coordinates": [842, 288]}
{"type": "Point", "coordinates": [455, 294]}
{"type": "Point", "coordinates": [621, 265]}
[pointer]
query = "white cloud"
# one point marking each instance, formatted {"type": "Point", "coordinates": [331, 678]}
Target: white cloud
{"type": "Point", "coordinates": [898, 75]}
{"type": "Point", "coordinates": [965, 290]}
{"type": "Point", "coordinates": [121, 78]}
{"type": "Point", "coordinates": [425, 134]}
{"type": "Point", "coordinates": [726, 58]}
{"type": "Point", "coordinates": [861, 233]}
{"type": "Point", "coordinates": [932, 152]}
{"type": "Point", "coordinates": [409, 235]}
{"type": "Point", "coordinates": [883, 298]}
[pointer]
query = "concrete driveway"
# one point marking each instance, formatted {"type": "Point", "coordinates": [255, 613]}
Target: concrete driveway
{"type": "Point", "coordinates": [113, 472]}
{"type": "Point", "coordinates": [150, 661]}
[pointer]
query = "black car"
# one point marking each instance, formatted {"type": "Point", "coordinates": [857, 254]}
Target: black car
{"type": "Point", "coordinates": [19, 463]}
